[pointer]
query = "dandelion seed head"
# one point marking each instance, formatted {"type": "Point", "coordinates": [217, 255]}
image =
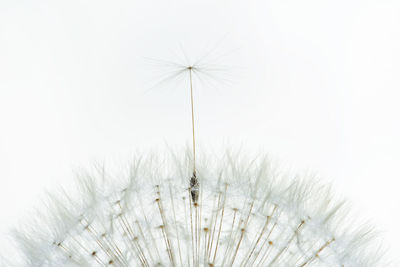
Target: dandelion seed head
{"type": "Point", "coordinates": [248, 213]}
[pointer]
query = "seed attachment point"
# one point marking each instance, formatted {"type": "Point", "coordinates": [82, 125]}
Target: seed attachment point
{"type": "Point", "coordinates": [194, 188]}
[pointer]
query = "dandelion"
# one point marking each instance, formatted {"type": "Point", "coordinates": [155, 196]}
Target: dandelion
{"type": "Point", "coordinates": [183, 210]}
{"type": "Point", "coordinates": [248, 213]}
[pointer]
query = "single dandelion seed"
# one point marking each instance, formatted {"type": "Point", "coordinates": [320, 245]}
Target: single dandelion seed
{"type": "Point", "coordinates": [194, 183]}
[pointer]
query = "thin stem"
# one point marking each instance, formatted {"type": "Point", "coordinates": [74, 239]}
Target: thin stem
{"type": "Point", "coordinates": [194, 183]}
{"type": "Point", "coordinates": [192, 105]}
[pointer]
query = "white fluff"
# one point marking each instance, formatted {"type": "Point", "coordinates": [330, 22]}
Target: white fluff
{"type": "Point", "coordinates": [249, 214]}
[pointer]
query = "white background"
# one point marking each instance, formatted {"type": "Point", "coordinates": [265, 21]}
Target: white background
{"type": "Point", "coordinates": [313, 83]}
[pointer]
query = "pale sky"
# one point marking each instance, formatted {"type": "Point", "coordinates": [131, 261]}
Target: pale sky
{"type": "Point", "coordinates": [313, 83]}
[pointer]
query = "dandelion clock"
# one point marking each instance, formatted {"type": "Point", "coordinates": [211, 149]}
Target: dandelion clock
{"type": "Point", "coordinates": [193, 209]}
